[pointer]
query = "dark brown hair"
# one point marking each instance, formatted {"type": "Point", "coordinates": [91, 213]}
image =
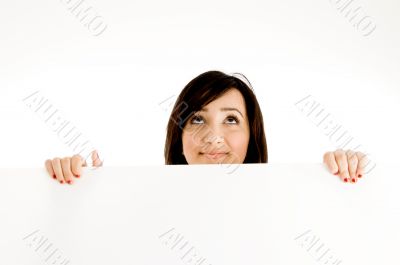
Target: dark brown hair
{"type": "Point", "coordinates": [199, 92]}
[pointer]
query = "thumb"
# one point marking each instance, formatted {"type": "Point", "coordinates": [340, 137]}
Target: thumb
{"type": "Point", "coordinates": [96, 159]}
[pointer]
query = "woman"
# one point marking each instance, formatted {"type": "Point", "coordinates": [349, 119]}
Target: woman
{"type": "Point", "coordinates": [216, 119]}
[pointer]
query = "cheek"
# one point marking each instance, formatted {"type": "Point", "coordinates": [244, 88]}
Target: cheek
{"type": "Point", "coordinates": [192, 138]}
{"type": "Point", "coordinates": [238, 143]}
{"type": "Point", "coordinates": [190, 144]}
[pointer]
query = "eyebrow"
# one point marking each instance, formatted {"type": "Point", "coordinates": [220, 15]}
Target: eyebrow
{"type": "Point", "coordinates": [225, 109]}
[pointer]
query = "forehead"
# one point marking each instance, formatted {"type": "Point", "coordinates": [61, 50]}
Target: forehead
{"type": "Point", "coordinates": [231, 99]}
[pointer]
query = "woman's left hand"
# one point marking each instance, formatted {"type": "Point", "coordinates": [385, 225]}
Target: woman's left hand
{"type": "Point", "coordinates": [349, 165]}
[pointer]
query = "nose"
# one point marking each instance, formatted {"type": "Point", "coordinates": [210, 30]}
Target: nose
{"type": "Point", "coordinates": [214, 143]}
{"type": "Point", "coordinates": [217, 139]}
{"type": "Point", "coordinates": [214, 140]}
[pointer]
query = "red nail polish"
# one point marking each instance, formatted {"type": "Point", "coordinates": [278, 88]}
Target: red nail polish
{"type": "Point", "coordinates": [62, 181]}
{"type": "Point", "coordinates": [353, 180]}
{"type": "Point", "coordinates": [359, 175]}
{"type": "Point", "coordinates": [346, 179]}
{"type": "Point", "coordinates": [54, 176]}
{"type": "Point", "coordinates": [69, 181]}
{"type": "Point", "coordinates": [78, 176]}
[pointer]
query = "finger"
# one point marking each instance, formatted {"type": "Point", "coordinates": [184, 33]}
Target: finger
{"type": "Point", "coordinates": [96, 159]}
{"type": "Point", "coordinates": [66, 168]}
{"type": "Point", "coordinates": [49, 168]}
{"type": "Point", "coordinates": [330, 162]}
{"type": "Point", "coordinates": [57, 169]}
{"type": "Point", "coordinates": [77, 162]}
{"type": "Point", "coordinates": [352, 161]}
{"type": "Point", "coordinates": [341, 160]}
{"type": "Point", "coordinates": [362, 163]}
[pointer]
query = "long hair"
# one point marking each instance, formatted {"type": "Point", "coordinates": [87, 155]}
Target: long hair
{"type": "Point", "coordinates": [199, 92]}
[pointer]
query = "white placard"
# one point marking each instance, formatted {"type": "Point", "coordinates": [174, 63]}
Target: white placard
{"type": "Point", "coordinates": [200, 214]}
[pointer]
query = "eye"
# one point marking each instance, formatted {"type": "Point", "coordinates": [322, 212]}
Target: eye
{"type": "Point", "coordinates": [195, 119]}
{"type": "Point", "coordinates": [233, 118]}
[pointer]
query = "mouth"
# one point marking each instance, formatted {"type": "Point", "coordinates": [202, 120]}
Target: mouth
{"type": "Point", "coordinates": [215, 155]}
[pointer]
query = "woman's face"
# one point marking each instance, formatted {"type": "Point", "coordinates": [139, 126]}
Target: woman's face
{"type": "Point", "coordinates": [219, 133]}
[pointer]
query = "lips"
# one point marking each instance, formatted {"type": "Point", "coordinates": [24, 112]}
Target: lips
{"type": "Point", "coordinates": [215, 155]}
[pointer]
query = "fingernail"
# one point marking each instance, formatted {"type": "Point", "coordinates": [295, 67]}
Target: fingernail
{"type": "Point", "coordinates": [69, 181]}
{"type": "Point", "coordinates": [62, 181]}
{"type": "Point", "coordinates": [78, 176]}
{"type": "Point", "coordinates": [346, 179]}
{"type": "Point", "coordinates": [359, 175]}
{"type": "Point", "coordinates": [54, 176]}
{"type": "Point", "coordinates": [353, 180]}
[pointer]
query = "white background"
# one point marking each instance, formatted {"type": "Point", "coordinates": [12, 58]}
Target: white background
{"type": "Point", "coordinates": [110, 86]}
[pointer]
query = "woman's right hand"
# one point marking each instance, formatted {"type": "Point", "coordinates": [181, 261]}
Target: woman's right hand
{"type": "Point", "coordinates": [65, 169]}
